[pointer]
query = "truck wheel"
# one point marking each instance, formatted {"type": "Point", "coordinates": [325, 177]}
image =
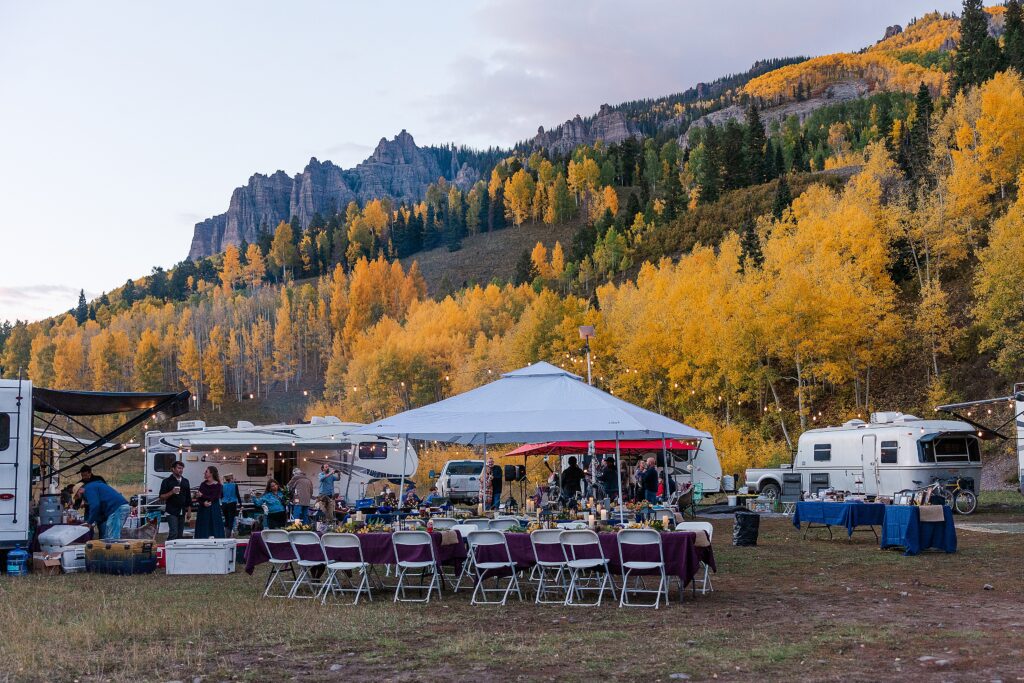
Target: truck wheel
{"type": "Point", "coordinates": [771, 490]}
{"type": "Point", "coordinates": [965, 502]}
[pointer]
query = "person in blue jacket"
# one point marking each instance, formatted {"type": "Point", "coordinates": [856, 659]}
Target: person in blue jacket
{"type": "Point", "coordinates": [272, 502]}
{"type": "Point", "coordinates": [107, 508]}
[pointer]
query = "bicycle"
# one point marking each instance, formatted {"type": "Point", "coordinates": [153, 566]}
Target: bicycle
{"type": "Point", "coordinates": [947, 492]}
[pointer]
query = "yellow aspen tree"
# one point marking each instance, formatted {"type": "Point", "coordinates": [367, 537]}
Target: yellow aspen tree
{"type": "Point", "coordinates": [231, 268]}
{"type": "Point", "coordinates": [255, 267]}
{"type": "Point", "coordinates": [40, 365]}
{"type": "Point", "coordinates": [69, 361]}
{"type": "Point", "coordinates": [213, 367]}
{"type": "Point", "coordinates": [149, 373]}
{"type": "Point", "coordinates": [190, 364]}
{"type": "Point", "coordinates": [519, 190]}
{"type": "Point", "coordinates": [282, 249]}
{"type": "Point", "coordinates": [539, 256]}
{"type": "Point", "coordinates": [285, 362]}
{"type": "Point", "coordinates": [557, 260]}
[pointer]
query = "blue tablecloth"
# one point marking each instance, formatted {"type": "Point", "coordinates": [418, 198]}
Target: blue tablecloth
{"type": "Point", "coordinates": [849, 515]}
{"type": "Point", "coordinates": [903, 527]}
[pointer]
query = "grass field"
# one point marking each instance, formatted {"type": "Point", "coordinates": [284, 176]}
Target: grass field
{"type": "Point", "coordinates": [788, 609]}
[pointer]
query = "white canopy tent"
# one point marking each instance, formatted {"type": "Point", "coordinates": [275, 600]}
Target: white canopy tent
{"type": "Point", "coordinates": [540, 402]}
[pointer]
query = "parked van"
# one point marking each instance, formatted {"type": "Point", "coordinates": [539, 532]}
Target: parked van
{"type": "Point", "coordinates": [893, 452]}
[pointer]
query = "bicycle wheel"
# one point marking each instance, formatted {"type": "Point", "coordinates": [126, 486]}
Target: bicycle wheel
{"type": "Point", "coordinates": [965, 502]}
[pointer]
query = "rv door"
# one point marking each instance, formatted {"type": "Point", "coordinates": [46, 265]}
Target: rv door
{"type": "Point", "coordinates": [869, 459]}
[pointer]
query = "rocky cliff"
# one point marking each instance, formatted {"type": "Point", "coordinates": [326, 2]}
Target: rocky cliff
{"type": "Point", "coordinates": [397, 169]}
{"type": "Point", "coordinates": [609, 125]}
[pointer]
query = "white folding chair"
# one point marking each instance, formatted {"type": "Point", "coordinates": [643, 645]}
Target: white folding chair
{"type": "Point", "coordinates": [309, 555]}
{"type": "Point", "coordinates": [441, 523]}
{"type": "Point", "coordinates": [282, 558]}
{"type": "Point", "coordinates": [467, 566]}
{"type": "Point", "coordinates": [482, 542]}
{"type": "Point", "coordinates": [344, 554]}
{"type": "Point", "coordinates": [503, 524]}
{"type": "Point", "coordinates": [481, 523]}
{"type": "Point", "coordinates": [540, 540]}
{"type": "Point", "coordinates": [698, 527]}
{"type": "Point", "coordinates": [573, 541]}
{"type": "Point", "coordinates": [634, 539]}
{"type": "Point", "coordinates": [410, 543]}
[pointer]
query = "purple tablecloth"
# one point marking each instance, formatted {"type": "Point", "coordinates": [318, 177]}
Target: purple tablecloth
{"type": "Point", "coordinates": [377, 549]}
{"type": "Point", "coordinates": [682, 556]}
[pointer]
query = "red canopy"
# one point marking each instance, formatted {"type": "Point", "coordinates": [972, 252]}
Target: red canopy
{"type": "Point", "coordinates": [570, 447]}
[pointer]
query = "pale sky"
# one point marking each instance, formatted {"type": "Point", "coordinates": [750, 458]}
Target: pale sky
{"type": "Point", "coordinates": [122, 124]}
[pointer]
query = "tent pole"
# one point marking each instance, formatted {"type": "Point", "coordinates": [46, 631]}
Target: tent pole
{"type": "Point", "coordinates": [664, 467]}
{"type": "Point", "coordinates": [618, 466]}
{"type": "Point", "coordinates": [401, 485]}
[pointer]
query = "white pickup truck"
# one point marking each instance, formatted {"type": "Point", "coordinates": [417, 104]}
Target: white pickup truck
{"type": "Point", "coordinates": [459, 481]}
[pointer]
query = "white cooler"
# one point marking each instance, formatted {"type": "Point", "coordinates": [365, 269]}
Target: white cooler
{"type": "Point", "coordinates": [200, 556]}
{"type": "Point", "coordinates": [72, 559]}
{"type": "Point", "coordinates": [54, 539]}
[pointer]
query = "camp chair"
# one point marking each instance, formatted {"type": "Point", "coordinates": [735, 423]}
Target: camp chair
{"type": "Point", "coordinates": [480, 523]}
{"type": "Point", "coordinates": [406, 543]}
{"type": "Point", "coordinates": [282, 557]}
{"type": "Point", "coordinates": [309, 555]}
{"type": "Point", "coordinates": [495, 541]}
{"type": "Point", "coordinates": [698, 527]}
{"type": "Point", "coordinates": [572, 542]}
{"type": "Point", "coordinates": [630, 539]}
{"type": "Point", "coordinates": [548, 538]}
{"type": "Point", "coordinates": [346, 546]}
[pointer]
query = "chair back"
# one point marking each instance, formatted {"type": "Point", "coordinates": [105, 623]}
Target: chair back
{"type": "Point", "coordinates": [465, 529]}
{"type": "Point", "coordinates": [503, 524]}
{"type": "Point", "coordinates": [342, 547]}
{"type": "Point", "coordinates": [445, 523]}
{"type": "Point", "coordinates": [479, 522]}
{"type": "Point", "coordinates": [415, 545]}
{"type": "Point", "coordinates": [697, 527]}
{"type": "Point", "coordinates": [574, 540]}
{"type": "Point", "coordinates": [307, 546]}
{"type": "Point", "coordinates": [489, 539]}
{"type": "Point", "coordinates": [633, 543]}
{"type": "Point", "coordinates": [278, 545]}
{"type": "Point", "coordinates": [546, 547]}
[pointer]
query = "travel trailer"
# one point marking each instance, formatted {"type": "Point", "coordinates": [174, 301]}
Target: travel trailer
{"type": "Point", "coordinates": [255, 454]}
{"type": "Point", "coordinates": [893, 452]}
{"type": "Point", "coordinates": [36, 459]}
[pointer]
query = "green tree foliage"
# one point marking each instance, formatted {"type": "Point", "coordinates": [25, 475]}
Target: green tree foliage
{"type": "Point", "coordinates": [1013, 37]}
{"type": "Point", "coordinates": [82, 309]}
{"type": "Point", "coordinates": [977, 57]}
{"type": "Point", "coordinates": [755, 144]}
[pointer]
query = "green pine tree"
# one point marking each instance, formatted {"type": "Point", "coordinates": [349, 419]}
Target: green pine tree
{"type": "Point", "coordinates": [918, 149]}
{"type": "Point", "coordinates": [750, 246]}
{"type": "Point", "coordinates": [82, 309]}
{"type": "Point", "coordinates": [754, 143]}
{"type": "Point", "coordinates": [977, 56]}
{"type": "Point", "coordinates": [783, 198]}
{"type": "Point", "coordinates": [1013, 37]}
{"type": "Point", "coordinates": [525, 272]}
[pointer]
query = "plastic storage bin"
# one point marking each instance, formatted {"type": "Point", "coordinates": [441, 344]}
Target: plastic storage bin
{"type": "Point", "coordinates": [56, 538]}
{"type": "Point", "coordinates": [72, 560]}
{"type": "Point", "coordinates": [120, 557]}
{"type": "Point", "coordinates": [200, 556]}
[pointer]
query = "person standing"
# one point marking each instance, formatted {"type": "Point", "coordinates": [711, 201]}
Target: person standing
{"type": "Point", "coordinates": [325, 490]}
{"type": "Point", "coordinates": [572, 477]}
{"type": "Point", "coordinates": [496, 483]}
{"type": "Point", "coordinates": [209, 521]}
{"type": "Point", "coordinates": [176, 495]}
{"type": "Point", "coordinates": [272, 502]}
{"type": "Point", "coordinates": [229, 503]}
{"type": "Point", "coordinates": [301, 488]}
{"type": "Point", "coordinates": [107, 509]}
{"type": "Point", "coordinates": [650, 481]}
{"type": "Point", "coordinates": [610, 479]}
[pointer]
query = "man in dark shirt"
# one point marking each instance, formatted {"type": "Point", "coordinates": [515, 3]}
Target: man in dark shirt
{"type": "Point", "coordinates": [651, 482]}
{"type": "Point", "coordinates": [496, 483]}
{"type": "Point", "coordinates": [571, 478]}
{"type": "Point", "coordinates": [86, 473]}
{"type": "Point", "coordinates": [176, 495]}
{"type": "Point", "coordinates": [610, 479]}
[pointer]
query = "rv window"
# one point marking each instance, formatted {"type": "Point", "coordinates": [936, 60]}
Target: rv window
{"type": "Point", "coordinates": [822, 452]}
{"type": "Point", "coordinates": [163, 462]}
{"type": "Point", "coordinates": [256, 464]}
{"type": "Point", "coordinates": [889, 451]}
{"type": "Point", "coordinates": [373, 450]}
{"type": "Point", "coordinates": [5, 431]}
{"type": "Point", "coordinates": [949, 449]}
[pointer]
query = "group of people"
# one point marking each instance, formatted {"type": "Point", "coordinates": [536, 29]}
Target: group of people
{"type": "Point", "coordinates": [216, 503]}
{"type": "Point", "coordinates": [105, 508]}
{"type": "Point", "coordinates": [300, 486]}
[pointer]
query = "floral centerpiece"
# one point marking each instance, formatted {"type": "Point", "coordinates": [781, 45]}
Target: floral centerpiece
{"type": "Point", "coordinates": [298, 526]}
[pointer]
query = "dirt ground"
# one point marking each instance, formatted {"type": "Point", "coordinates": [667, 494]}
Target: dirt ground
{"type": "Point", "coordinates": [814, 610]}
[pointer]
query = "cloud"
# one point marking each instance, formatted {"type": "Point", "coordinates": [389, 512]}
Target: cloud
{"type": "Point", "coordinates": [35, 302]}
{"type": "Point", "coordinates": [347, 154]}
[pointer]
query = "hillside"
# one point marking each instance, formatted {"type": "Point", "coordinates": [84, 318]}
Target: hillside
{"type": "Point", "coordinates": [822, 242]}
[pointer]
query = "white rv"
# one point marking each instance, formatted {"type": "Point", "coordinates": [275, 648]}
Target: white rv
{"type": "Point", "coordinates": [255, 454]}
{"type": "Point", "coordinates": [893, 452]}
{"type": "Point", "coordinates": [15, 461]}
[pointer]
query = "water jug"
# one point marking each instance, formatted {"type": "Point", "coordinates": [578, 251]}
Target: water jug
{"type": "Point", "coordinates": [17, 562]}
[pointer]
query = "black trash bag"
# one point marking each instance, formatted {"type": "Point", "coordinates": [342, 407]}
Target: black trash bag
{"type": "Point", "coordinates": [744, 532]}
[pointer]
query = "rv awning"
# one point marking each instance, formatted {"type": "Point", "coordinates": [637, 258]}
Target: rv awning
{"type": "Point", "coordinates": [105, 402]}
{"type": "Point", "coordinates": [629, 446]}
{"type": "Point", "coordinates": [64, 439]}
